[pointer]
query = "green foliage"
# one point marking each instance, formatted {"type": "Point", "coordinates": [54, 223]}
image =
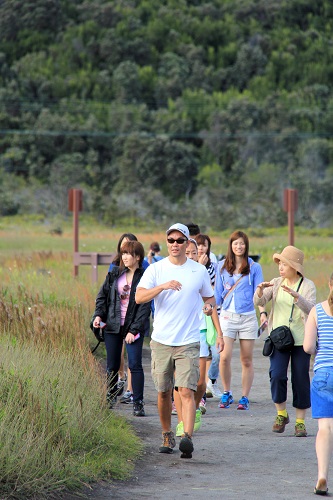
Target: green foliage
{"type": "Point", "coordinates": [191, 100]}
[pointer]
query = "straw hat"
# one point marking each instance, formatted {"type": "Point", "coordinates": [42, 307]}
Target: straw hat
{"type": "Point", "coordinates": [291, 256]}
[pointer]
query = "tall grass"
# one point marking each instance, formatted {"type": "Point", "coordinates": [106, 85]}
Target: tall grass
{"type": "Point", "coordinates": [55, 432]}
{"type": "Point", "coordinates": [55, 429]}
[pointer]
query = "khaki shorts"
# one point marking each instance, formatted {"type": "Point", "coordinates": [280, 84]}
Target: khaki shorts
{"type": "Point", "coordinates": [174, 366]}
{"type": "Point", "coordinates": [245, 326]}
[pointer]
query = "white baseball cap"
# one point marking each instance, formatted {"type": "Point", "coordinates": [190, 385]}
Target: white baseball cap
{"type": "Point", "coordinates": [179, 227]}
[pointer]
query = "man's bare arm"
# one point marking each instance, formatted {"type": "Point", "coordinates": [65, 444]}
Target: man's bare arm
{"type": "Point", "coordinates": [143, 295]}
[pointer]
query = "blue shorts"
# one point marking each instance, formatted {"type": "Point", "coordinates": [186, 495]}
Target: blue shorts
{"type": "Point", "coordinates": [322, 393]}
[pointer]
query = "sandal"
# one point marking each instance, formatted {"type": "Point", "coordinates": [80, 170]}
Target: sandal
{"type": "Point", "coordinates": [321, 488]}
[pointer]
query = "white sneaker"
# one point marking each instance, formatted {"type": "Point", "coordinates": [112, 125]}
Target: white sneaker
{"type": "Point", "coordinates": [213, 388]}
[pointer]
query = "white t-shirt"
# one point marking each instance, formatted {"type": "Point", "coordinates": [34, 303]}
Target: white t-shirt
{"type": "Point", "coordinates": [176, 317]}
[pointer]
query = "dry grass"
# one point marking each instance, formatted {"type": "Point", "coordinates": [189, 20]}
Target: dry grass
{"type": "Point", "coordinates": [55, 430]}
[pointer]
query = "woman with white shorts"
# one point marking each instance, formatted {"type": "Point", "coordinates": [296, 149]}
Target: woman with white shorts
{"type": "Point", "coordinates": [237, 278]}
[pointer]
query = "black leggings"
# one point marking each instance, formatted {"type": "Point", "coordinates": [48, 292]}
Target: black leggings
{"type": "Point", "coordinates": [114, 344]}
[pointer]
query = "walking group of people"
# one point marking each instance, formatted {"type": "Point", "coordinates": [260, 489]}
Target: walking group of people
{"type": "Point", "coordinates": [190, 292]}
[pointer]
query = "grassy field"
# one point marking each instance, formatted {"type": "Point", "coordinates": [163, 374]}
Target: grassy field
{"type": "Point", "coordinates": [33, 239]}
{"type": "Point", "coordinates": [52, 389]}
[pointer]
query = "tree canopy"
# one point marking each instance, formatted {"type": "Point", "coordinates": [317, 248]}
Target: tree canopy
{"type": "Point", "coordinates": [164, 109]}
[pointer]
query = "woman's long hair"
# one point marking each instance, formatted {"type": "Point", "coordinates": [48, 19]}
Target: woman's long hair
{"type": "Point", "coordinates": [131, 237]}
{"type": "Point", "coordinates": [330, 296]}
{"type": "Point", "coordinates": [200, 239]}
{"type": "Point", "coordinates": [230, 260]}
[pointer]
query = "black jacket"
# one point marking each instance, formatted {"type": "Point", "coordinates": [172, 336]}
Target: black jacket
{"type": "Point", "coordinates": [108, 305]}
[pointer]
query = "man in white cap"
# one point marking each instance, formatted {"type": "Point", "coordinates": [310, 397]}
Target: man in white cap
{"type": "Point", "coordinates": [178, 285]}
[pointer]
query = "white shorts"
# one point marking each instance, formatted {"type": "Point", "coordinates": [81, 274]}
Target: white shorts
{"type": "Point", "coordinates": [243, 325]}
{"type": "Point", "coordinates": [204, 347]}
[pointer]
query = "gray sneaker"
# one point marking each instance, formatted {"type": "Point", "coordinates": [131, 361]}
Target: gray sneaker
{"type": "Point", "coordinates": [121, 385]}
{"type": "Point", "coordinates": [111, 400]}
{"type": "Point", "coordinates": [138, 409]}
{"type": "Point", "coordinates": [127, 398]}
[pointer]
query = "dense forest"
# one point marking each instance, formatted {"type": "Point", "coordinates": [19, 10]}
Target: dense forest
{"type": "Point", "coordinates": [168, 109]}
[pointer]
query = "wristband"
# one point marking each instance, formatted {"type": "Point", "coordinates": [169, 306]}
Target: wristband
{"type": "Point", "coordinates": [263, 312]}
{"type": "Point", "coordinates": [220, 336]}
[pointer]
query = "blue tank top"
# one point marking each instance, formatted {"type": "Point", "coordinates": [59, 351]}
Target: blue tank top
{"type": "Point", "coordinates": [324, 356]}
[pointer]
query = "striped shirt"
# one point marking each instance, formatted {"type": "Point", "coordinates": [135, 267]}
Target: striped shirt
{"type": "Point", "coordinates": [212, 273]}
{"type": "Point", "coordinates": [324, 357]}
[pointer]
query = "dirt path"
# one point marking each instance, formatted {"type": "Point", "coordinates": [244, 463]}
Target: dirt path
{"type": "Point", "coordinates": [236, 454]}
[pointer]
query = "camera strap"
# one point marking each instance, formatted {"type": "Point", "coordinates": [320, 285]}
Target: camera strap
{"type": "Point", "coordinates": [292, 309]}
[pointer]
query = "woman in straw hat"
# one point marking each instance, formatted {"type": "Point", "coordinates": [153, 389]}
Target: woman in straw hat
{"type": "Point", "coordinates": [291, 288]}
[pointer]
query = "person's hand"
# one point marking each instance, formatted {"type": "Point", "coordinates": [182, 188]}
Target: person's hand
{"type": "Point", "coordinates": [208, 309]}
{"type": "Point", "coordinates": [129, 339]}
{"type": "Point", "coordinates": [203, 259]}
{"type": "Point", "coordinates": [96, 322]}
{"type": "Point", "coordinates": [262, 286]}
{"type": "Point", "coordinates": [291, 292]}
{"type": "Point", "coordinates": [219, 344]}
{"type": "Point", "coordinates": [172, 285]}
{"type": "Point", "coordinates": [263, 319]}
{"type": "Point", "coordinates": [150, 256]}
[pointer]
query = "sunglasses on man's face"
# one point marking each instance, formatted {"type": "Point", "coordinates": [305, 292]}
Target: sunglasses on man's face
{"type": "Point", "coordinates": [180, 241]}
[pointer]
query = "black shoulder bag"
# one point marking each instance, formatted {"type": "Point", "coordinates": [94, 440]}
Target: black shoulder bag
{"type": "Point", "coordinates": [281, 337]}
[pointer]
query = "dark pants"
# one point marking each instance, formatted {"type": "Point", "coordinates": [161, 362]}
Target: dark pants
{"type": "Point", "coordinates": [114, 344]}
{"type": "Point", "coordinates": [300, 379]}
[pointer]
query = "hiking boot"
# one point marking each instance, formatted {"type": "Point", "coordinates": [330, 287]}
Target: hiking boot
{"type": "Point", "coordinates": [280, 423]}
{"type": "Point", "coordinates": [226, 400]}
{"type": "Point", "coordinates": [180, 429]}
{"type": "Point", "coordinates": [197, 421]}
{"type": "Point", "coordinates": [243, 403]}
{"type": "Point", "coordinates": [127, 398]}
{"type": "Point", "coordinates": [300, 430]}
{"type": "Point", "coordinates": [202, 406]}
{"type": "Point", "coordinates": [138, 409]}
{"type": "Point", "coordinates": [169, 442]}
{"type": "Point", "coordinates": [186, 446]}
{"type": "Point", "coordinates": [212, 390]}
